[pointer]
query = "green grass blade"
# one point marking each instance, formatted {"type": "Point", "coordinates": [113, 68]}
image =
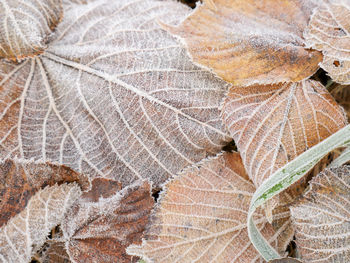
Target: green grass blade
{"type": "Point", "coordinates": [285, 177]}
{"type": "Point", "coordinates": [342, 159]}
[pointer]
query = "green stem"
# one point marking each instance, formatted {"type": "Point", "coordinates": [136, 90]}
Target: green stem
{"type": "Point", "coordinates": [285, 177]}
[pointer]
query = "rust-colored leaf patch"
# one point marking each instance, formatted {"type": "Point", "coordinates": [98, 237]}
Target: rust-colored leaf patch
{"type": "Point", "coordinates": [251, 42]}
{"type": "Point", "coordinates": [21, 179]}
{"type": "Point", "coordinates": [99, 230]}
{"type": "Point", "coordinates": [26, 232]}
{"type": "Point", "coordinates": [202, 217]}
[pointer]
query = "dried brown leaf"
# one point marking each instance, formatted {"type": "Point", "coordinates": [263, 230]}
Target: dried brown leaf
{"type": "Point", "coordinates": [285, 260]}
{"type": "Point", "coordinates": [202, 217]}
{"type": "Point", "coordinates": [55, 253]}
{"type": "Point", "coordinates": [271, 125]}
{"type": "Point", "coordinates": [21, 179]}
{"type": "Point", "coordinates": [26, 232]}
{"type": "Point", "coordinates": [26, 26]}
{"type": "Point", "coordinates": [322, 218]}
{"type": "Point", "coordinates": [247, 41]}
{"type": "Point", "coordinates": [112, 96]}
{"type": "Point", "coordinates": [100, 230]}
{"type": "Point", "coordinates": [328, 31]}
{"type": "Point", "coordinates": [341, 93]}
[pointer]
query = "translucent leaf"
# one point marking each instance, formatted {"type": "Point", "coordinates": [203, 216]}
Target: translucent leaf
{"type": "Point", "coordinates": [247, 41]}
{"type": "Point", "coordinates": [322, 218]}
{"type": "Point", "coordinates": [273, 124]}
{"type": "Point", "coordinates": [202, 217]}
{"type": "Point", "coordinates": [328, 31]}
{"type": "Point", "coordinates": [21, 179]}
{"type": "Point", "coordinates": [26, 232]}
{"type": "Point", "coordinates": [99, 230]}
{"type": "Point", "coordinates": [26, 26]}
{"type": "Point", "coordinates": [112, 96]}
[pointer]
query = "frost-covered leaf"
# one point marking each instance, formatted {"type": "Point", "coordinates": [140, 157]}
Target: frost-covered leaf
{"type": "Point", "coordinates": [113, 96]}
{"type": "Point", "coordinates": [21, 179]}
{"type": "Point", "coordinates": [341, 93]}
{"type": "Point", "coordinates": [25, 26]}
{"type": "Point", "coordinates": [202, 217]}
{"type": "Point", "coordinates": [322, 218]}
{"type": "Point", "coordinates": [248, 41]}
{"type": "Point", "coordinates": [285, 260]}
{"type": "Point", "coordinates": [55, 253]}
{"type": "Point", "coordinates": [329, 31]}
{"type": "Point", "coordinates": [273, 124]}
{"type": "Point", "coordinates": [98, 229]}
{"type": "Point", "coordinates": [26, 232]}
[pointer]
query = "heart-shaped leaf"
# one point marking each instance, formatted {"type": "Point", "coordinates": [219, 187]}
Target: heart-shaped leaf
{"type": "Point", "coordinates": [26, 26]}
{"type": "Point", "coordinates": [112, 96]}
{"type": "Point", "coordinates": [202, 217]}
{"type": "Point", "coordinates": [322, 218]}
{"type": "Point", "coordinates": [329, 31]}
{"type": "Point", "coordinates": [247, 41]}
{"type": "Point", "coordinates": [273, 124]}
{"type": "Point", "coordinates": [26, 232]}
{"type": "Point", "coordinates": [99, 230]}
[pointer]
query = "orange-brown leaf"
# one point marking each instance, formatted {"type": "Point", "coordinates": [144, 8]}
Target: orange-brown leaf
{"type": "Point", "coordinates": [341, 93]}
{"type": "Point", "coordinates": [202, 217]}
{"type": "Point", "coordinates": [20, 180]}
{"type": "Point", "coordinates": [247, 41]}
{"type": "Point", "coordinates": [322, 218]}
{"type": "Point", "coordinates": [329, 31]}
{"type": "Point", "coordinates": [99, 230]}
{"type": "Point", "coordinates": [271, 125]}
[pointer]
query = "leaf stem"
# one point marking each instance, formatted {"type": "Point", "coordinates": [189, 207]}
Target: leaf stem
{"type": "Point", "coordinates": [283, 178]}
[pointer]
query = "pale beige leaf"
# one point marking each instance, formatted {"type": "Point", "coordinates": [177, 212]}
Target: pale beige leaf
{"type": "Point", "coordinates": [26, 232]}
{"type": "Point", "coordinates": [112, 96]}
{"type": "Point", "coordinates": [202, 217]}
{"type": "Point", "coordinates": [322, 218]}
{"type": "Point", "coordinates": [247, 41]}
{"type": "Point", "coordinates": [329, 32]}
{"type": "Point", "coordinates": [100, 229]}
{"type": "Point", "coordinates": [25, 26]}
{"type": "Point", "coordinates": [271, 125]}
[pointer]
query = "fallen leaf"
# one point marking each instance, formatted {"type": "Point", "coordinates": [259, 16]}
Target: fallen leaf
{"type": "Point", "coordinates": [112, 96]}
{"type": "Point", "coordinates": [100, 230]}
{"type": "Point", "coordinates": [341, 94]}
{"type": "Point", "coordinates": [21, 179]}
{"type": "Point", "coordinates": [26, 26]}
{"type": "Point", "coordinates": [55, 253]}
{"type": "Point", "coordinates": [328, 31]}
{"type": "Point", "coordinates": [273, 124]}
{"type": "Point", "coordinates": [250, 42]}
{"type": "Point", "coordinates": [322, 218]}
{"type": "Point", "coordinates": [202, 217]}
{"type": "Point", "coordinates": [27, 231]}
{"type": "Point", "coordinates": [285, 260]}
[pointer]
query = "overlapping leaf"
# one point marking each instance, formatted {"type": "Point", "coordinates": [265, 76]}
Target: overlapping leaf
{"type": "Point", "coordinates": [247, 41]}
{"type": "Point", "coordinates": [322, 218]}
{"type": "Point", "coordinates": [26, 26]}
{"type": "Point", "coordinates": [271, 125]}
{"type": "Point", "coordinates": [114, 95]}
{"type": "Point", "coordinates": [26, 232]}
{"type": "Point", "coordinates": [329, 31]}
{"type": "Point", "coordinates": [341, 93]}
{"type": "Point", "coordinates": [21, 179]}
{"type": "Point", "coordinates": [99, 228]}
{"type": "Point", "coordinates": [202, 217]}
